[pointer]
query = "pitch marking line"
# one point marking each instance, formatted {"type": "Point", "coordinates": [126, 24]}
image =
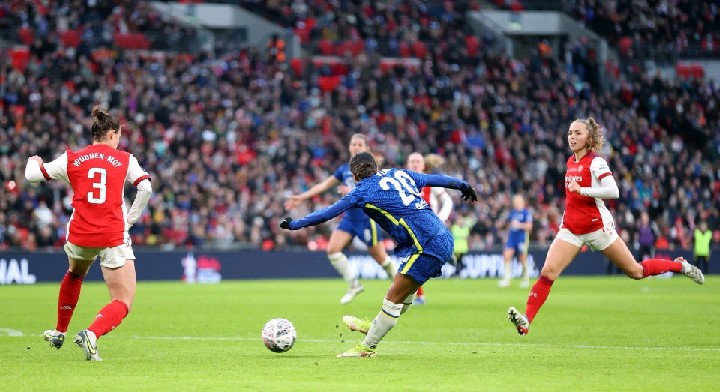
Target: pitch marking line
{"type": "Point", "coordinates": [16, 333]}
{"type": "Point", "coordinates": [486, 344]}
{"type": "Point", "coordinates": [10, 332]}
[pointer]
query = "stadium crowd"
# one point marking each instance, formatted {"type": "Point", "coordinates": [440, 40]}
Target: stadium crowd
{"type": "Point", "coordinates": [382, 25]}
{"type": "Point", "coordinates": [660, 30]}
{"type": "Point", "coordinates": [227, 138]}
{"type": "Point", "coordinates": [91, 24]}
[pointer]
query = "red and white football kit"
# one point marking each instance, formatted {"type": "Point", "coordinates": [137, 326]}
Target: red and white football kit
{"type": "Point", "coordinates": [97, 175]}
{"type": "Point", "coordinates": [586, 219]}
{"type": "Point", "coordinates": [97, 228]}
{"type": "Point", "coordinates": [439, 200]}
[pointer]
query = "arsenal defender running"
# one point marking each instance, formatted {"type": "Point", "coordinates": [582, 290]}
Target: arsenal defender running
{"type": "Point", "coordinates": [98, 226]}
{"type": "Point", "coordinates": [586, 220]}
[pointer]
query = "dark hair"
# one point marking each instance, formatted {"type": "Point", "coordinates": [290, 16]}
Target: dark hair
{"type": "Point", "coordinates": [103, 123]}
{"type": "Point", "coordinates": [363, 165]}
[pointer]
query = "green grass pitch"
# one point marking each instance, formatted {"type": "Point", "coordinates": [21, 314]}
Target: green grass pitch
{"type": "Point", "coordinates": [594, 334]}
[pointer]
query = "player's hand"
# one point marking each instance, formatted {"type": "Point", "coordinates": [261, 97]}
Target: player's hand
{"type": "Point", "coordinates": [36, 159]}
{"type": "Point", "coordinates": [292, 202]}
{"type": "Point", "coordinates": [468, 194]}
{"type": "Point", "coordinates": [574, 187]}
{"type": "Point", "coordinates": [285, 224]}
{"type": "Point", "coordinates": [343, 190]}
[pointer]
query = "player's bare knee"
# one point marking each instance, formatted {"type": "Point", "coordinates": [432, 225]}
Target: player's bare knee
{"type": "Point", "coordinates": [378, 253]}
{"type": "Point", "coordinates": [78, 271]}
{"type": "Point", "coordinates": [550, 273]}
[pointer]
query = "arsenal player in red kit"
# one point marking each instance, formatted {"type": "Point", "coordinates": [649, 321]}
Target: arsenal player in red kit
{"type": "Point", "coordinates": [437, 198]}
{"type": "Point", "coordinates": [587, 221]}
{"type": "Point", "coordinates": [98, 226]}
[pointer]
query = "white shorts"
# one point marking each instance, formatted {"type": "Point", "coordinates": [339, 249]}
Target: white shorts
{"type": "Point", "coordinates": [597, 240]}
{"type": "Point", "coordinates": [112, 258]}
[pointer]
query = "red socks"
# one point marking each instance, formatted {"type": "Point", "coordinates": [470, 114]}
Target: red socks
{"type": "Point", "coordinates": [538, 295]}
{"type": "Point", "coordinates": [653, 267]}
{"type": "Point", "coordinates": [108, 318]}
{"type": "Point", "coordinates": [420, 292]}
{"type": "Point", "coordinates": [541, 288]}
{"type": "Point", "coordinates": [68, 299]}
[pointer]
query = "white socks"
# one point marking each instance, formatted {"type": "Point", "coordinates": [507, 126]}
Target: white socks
{"type": "Point", "coordinates": [407, 302]}
{"type": "Point", "coordinates": [386, 319]}
{"type": "Point", "coordinates": [342, 266]}
{"type": "Point", "coordinates": [526, 272]}
{"type": "Point", "coordinates": [508, 272]}
{"type": "Point", "coordinates": [389, 266]}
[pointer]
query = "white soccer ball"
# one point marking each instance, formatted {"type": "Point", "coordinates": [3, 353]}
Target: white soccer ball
{"type": "Point", "coordinates": [279, 335]}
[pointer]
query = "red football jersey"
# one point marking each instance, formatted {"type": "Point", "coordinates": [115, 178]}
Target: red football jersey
{"type": "Point", "coordinates": [426, 195]}
{"type": "Point", "coordinates": [97, 175]}
{"type": "Point", "coordinates": [585, 214]}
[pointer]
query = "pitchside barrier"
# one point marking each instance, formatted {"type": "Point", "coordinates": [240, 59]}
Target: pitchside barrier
{"type": "Point", "coordinates": [213, 266]}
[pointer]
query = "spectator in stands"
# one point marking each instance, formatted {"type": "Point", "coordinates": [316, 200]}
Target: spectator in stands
{"type": "Point", "coordinates": [647, 235]}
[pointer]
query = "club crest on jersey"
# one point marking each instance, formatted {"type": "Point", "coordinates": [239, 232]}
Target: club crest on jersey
{"type": "Point", "coordinates": [569, 179]}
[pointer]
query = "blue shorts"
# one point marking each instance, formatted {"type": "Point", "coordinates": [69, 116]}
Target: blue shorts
{"type": "Point", "coordinates": [428, 263]}
{"type": "Point", "coordinates": [421, 267]}
{"type": "Point", "coordinates": [364, 228]}
{"type": "Point", "coordinates": [519, 247]}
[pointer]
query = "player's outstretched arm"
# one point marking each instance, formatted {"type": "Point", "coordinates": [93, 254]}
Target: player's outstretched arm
{"type": "Point", "coordinates": [320, 216]}
{"type": "Point", "coordinates": [316, 189]}
{"type": "Point", "coordinates": [36, 170]}
{"type": "Point", "coordinates": [468, 193]}
{"type": "Point", "coordinates": [32, 169]}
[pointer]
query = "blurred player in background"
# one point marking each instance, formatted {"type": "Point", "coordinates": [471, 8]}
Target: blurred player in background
{"type": "Point", "coordinates": [354, 223]}
{"type": "Point", "coordinates": [392, 198]}
{"type": "Point", "coordinates": [519, 224]}
{"type": "Point", "coordinates": [98, 226]}
{"type": "Point", "coordinates": [586, 221]}
{"type": "Point", "coordinates": [702, 238]}
{"type": "Point", "coordinates": [438, 198]}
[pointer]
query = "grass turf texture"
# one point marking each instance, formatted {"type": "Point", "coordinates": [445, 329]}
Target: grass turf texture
{"type": "Point", "coordinates": [594, 334]}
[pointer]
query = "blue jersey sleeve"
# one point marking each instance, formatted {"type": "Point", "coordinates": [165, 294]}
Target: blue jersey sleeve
{"type": "Point", "coordinates": [422, 180]}
{"type": "Point", "coordinates": [339, 173]}
{"type": "Point", "coordinates": [315, 218]}
{"type": "Point", "coordinates": [419, 178]}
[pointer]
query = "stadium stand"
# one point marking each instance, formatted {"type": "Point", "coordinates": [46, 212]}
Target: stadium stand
{"type": "Point", "coordinates": [227, 137]}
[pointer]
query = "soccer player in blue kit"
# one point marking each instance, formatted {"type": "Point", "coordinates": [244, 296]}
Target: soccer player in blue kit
{"type": "Point", "coordinates": [392, 199]}
{"type": "Point", "coordinates": [354, 224]}
{"type": "Point", "coordinates": [518, 240]}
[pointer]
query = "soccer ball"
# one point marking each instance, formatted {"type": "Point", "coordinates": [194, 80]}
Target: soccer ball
{"type": "Point", "coordinates": [279, 335]}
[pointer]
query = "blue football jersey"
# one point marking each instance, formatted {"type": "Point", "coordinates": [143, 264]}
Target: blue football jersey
{"type": "Point", "coordinates": [392, 199]}
{"type": "Point", "coordinates": [521, 216]}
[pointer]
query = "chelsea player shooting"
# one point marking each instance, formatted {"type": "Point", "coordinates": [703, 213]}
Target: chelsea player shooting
{"type": "Point", "coordinates": [392, 199]}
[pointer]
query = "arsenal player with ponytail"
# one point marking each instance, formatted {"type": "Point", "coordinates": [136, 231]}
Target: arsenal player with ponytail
{"type": "Point", "coordinates": [98, 226]}
{"type": "Point", "coordinates": [587, 221]}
